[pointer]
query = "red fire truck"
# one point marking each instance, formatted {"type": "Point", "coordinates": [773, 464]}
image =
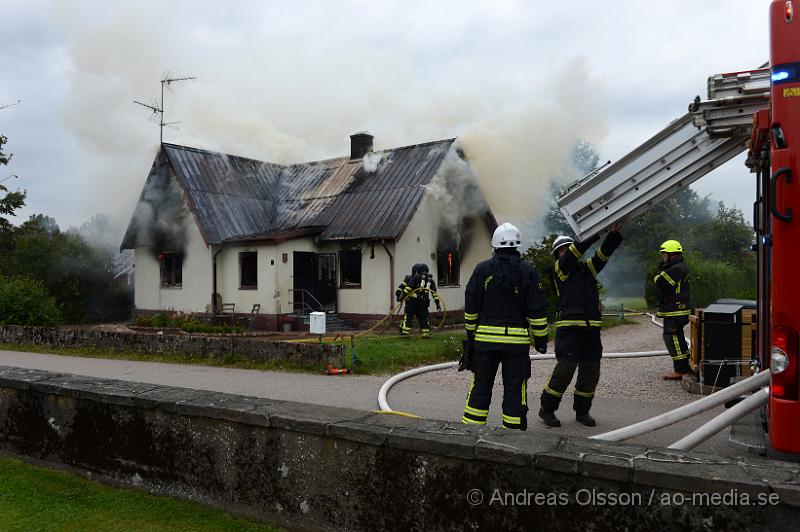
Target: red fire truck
{"type": "Point", "coordinates": [757, 111]}
{"type": "Point", "coordinates": [774, 149]}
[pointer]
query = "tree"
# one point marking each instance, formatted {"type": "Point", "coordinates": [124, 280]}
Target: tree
{"type": "Point", "coordinates": [78, 275]}
{"type": "Point", "coordinates": [714, 241]}
{"type": "Point", "coordinates": [25, 301]}
{"type": "Point", "coordinates": [726, 237]}
{"type": "Point", "coordinates": [540, 256]}
{"type": "Point", "coordinates": [582, 160]}
{"type": "Point", "coordinates": [9, 201]}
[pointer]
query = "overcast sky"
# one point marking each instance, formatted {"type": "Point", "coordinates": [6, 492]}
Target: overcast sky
{"type": "Point", "coordinates": [290, 81]}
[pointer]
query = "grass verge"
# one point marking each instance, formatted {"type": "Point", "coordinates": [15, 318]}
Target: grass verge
{"type": "Point", "coordinates": [229, 361]}
{"type": "Point", "coordinates": [35, 498]}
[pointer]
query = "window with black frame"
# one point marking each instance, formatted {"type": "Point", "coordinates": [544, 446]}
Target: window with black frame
{"type": "Point", "coordinates": [171, 267]}
{"type": "Point", "coordinates": [248, 269]}
{"type": "Point", "coordinates": [350, 268]}
{"type": "Point", "coordinates": [448, 264]}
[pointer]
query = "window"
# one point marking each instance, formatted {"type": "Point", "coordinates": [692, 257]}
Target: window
{"type": "Point", "coordinates": [350, 261]}
{"type": "Point", "coordinates": [326, 268]}
{"type": "Point", "coordinates": [448, 264]}
{"type": "Point", "coordinates": [248, 269]}
{"type": "Point", "coordinates": [171, 266]}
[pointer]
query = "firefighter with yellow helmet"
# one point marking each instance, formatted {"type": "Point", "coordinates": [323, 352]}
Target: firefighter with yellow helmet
{"type": "Point", "coordinates": [672, 283]}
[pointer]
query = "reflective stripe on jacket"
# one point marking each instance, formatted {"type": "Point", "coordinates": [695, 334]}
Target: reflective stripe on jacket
{"type": "Point", "coordinates": [575, 281]}
{"type": "Point", "coordinates": [673, 287]}
{"type": "Point", "coordinates": [505, 311]}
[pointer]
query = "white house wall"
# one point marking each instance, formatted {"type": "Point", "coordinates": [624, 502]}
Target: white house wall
{"type": "Point", "coordinates": [275, 277]}
{"type": "Point", "coordinates": [419, 242]}
{"type": "Point", "coordinates": [193, 295]}
{"type": "Point", "coordinates": [374, 296]}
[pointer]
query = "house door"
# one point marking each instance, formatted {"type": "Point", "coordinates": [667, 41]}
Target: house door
{"type": "Point", "coordinates": [325, 281]}
{"type": "Point", "coordinates": [314, 282]}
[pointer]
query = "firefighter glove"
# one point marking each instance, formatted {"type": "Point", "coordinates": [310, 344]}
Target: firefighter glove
{"type": "Point", "coordinates": [467, 355]}
{"type": "Point", "coordinates": [438, 305]}
{"type": "Point", "coordinates": [540, 345]}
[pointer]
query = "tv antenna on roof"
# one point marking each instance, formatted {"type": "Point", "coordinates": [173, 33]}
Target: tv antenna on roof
{"type": "Point", "coordinates": [6, 106]}
{"type": "Point", "coordinates": [157, 108]}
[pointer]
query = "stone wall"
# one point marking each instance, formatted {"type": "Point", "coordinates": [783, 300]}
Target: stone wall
{"type": "Point", "coordinates": [200, 346]}
{"type": "Point", "coordinates": [324, 468]}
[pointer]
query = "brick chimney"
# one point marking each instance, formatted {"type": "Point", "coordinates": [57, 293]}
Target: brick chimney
{"type": "Point", "coordinates": [360, 145]}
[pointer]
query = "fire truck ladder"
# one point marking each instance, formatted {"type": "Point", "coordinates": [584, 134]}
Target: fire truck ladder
{"type": "Point", "coordinates": [710, 134]}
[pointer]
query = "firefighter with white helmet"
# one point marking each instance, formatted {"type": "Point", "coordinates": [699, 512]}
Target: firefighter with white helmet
{"type": "Point", "coordinates": [672, 283]}
{"type": "Point", "coordinates": [578, 321]}
{"type": "Point", "coordinates": [504, 310]}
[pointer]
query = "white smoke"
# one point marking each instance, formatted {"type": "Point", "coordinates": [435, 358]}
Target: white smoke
{"type": "Point", "coordinates": [520, 150]}
{"type": "Point", "coordinates": [456, 194]}
{"type": "Point", "coordinates": [371, 161]}
{"type": "Point", "coordinates": [272, 88]}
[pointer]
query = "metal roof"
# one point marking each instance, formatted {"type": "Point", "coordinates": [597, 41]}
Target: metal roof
{"type": "Point", "coordinates": [239, 199]}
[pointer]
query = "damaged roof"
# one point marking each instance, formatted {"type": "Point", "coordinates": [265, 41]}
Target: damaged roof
{"type": "Point", "coordinates": [238, 199]}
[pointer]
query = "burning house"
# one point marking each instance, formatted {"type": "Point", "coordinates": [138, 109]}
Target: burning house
{"type": "Point", "coordinates": [336, 235]}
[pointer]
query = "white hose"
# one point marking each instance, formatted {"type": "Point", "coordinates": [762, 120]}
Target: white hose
{"type": "Point", "coordinates": [382, 393]}
{"type": "Point", "coordinates": [723, 420]}
{"type": "Point", "coordinates": [384, 406]}
{"type": "Point", "coordinates": [686, 411]}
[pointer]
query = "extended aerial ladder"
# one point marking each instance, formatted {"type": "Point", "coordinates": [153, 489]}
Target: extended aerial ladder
{"type": "Point", "coordinates": [711, 133]}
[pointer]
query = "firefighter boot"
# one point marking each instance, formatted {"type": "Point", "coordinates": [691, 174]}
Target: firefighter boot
{"type": "Point", "coordinates": [549, 418]}
{"type": "Point", "coordinates": [585, 419]}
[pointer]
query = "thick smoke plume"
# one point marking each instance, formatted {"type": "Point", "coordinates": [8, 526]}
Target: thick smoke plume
{"type": "Point", "coordinates": [272, 88]}
{"type": "Point", "coordinates": [457, 195]}
{"type": "Point", "coordinates": [159, 218]}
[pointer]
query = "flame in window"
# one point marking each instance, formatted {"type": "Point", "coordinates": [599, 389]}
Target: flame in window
{"type": "Point", "coordinates": [450, 262]}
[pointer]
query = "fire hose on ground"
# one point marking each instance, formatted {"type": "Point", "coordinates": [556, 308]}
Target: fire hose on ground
{"type": "Point", "coordinates": [384, 391]}
{"type": "Point", "coordinates": [692, 440]}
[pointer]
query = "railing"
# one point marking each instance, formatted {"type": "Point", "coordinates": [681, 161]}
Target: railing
{"type": "Point", "coordinates": [303, 305]}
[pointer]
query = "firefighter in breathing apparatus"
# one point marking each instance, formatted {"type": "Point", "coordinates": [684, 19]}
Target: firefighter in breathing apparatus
{"type": "Point", "coordinates": [417, 290]}
{"type": "Point", "coordinates": [672, 283]}
{"type": "Point", "coordinates": [579, 317]}
{"type": "Point", "coordinates": [504, 310]}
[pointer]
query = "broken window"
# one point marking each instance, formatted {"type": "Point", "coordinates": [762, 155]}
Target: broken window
{"type": "Point", "coordinates": [350, 262]}
{"type": "Point", "coordinates": [171, 266]}
{"type": "Point", "coordinates": [448, 264]}
{"type": "Point", "coordinates": [248, 269]}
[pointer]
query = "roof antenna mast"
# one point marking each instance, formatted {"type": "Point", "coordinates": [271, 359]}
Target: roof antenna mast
{"type": "Point", "coordinates": [157, 108]}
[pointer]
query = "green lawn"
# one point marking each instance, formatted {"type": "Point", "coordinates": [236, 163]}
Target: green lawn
{"type": "Point", "coordinates": [230, 361]}
{"type": "Point", "coordinates": [386, 354]}
{"type": "Point", "coordinates": [35, 498]}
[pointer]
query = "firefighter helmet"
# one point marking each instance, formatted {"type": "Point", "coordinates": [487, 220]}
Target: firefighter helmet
{"type": "Point", "coordinates": [671, 246]}
{"type": "Point", "coordinates": [506, 236]}
{"type": "Point", "coordinates": [562, 241]}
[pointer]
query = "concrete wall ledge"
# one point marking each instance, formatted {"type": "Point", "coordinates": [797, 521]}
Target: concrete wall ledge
{"type": "Point", "coordinates": [196, 345]}
{"type": "Point", "coordinates": [329, 468]}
